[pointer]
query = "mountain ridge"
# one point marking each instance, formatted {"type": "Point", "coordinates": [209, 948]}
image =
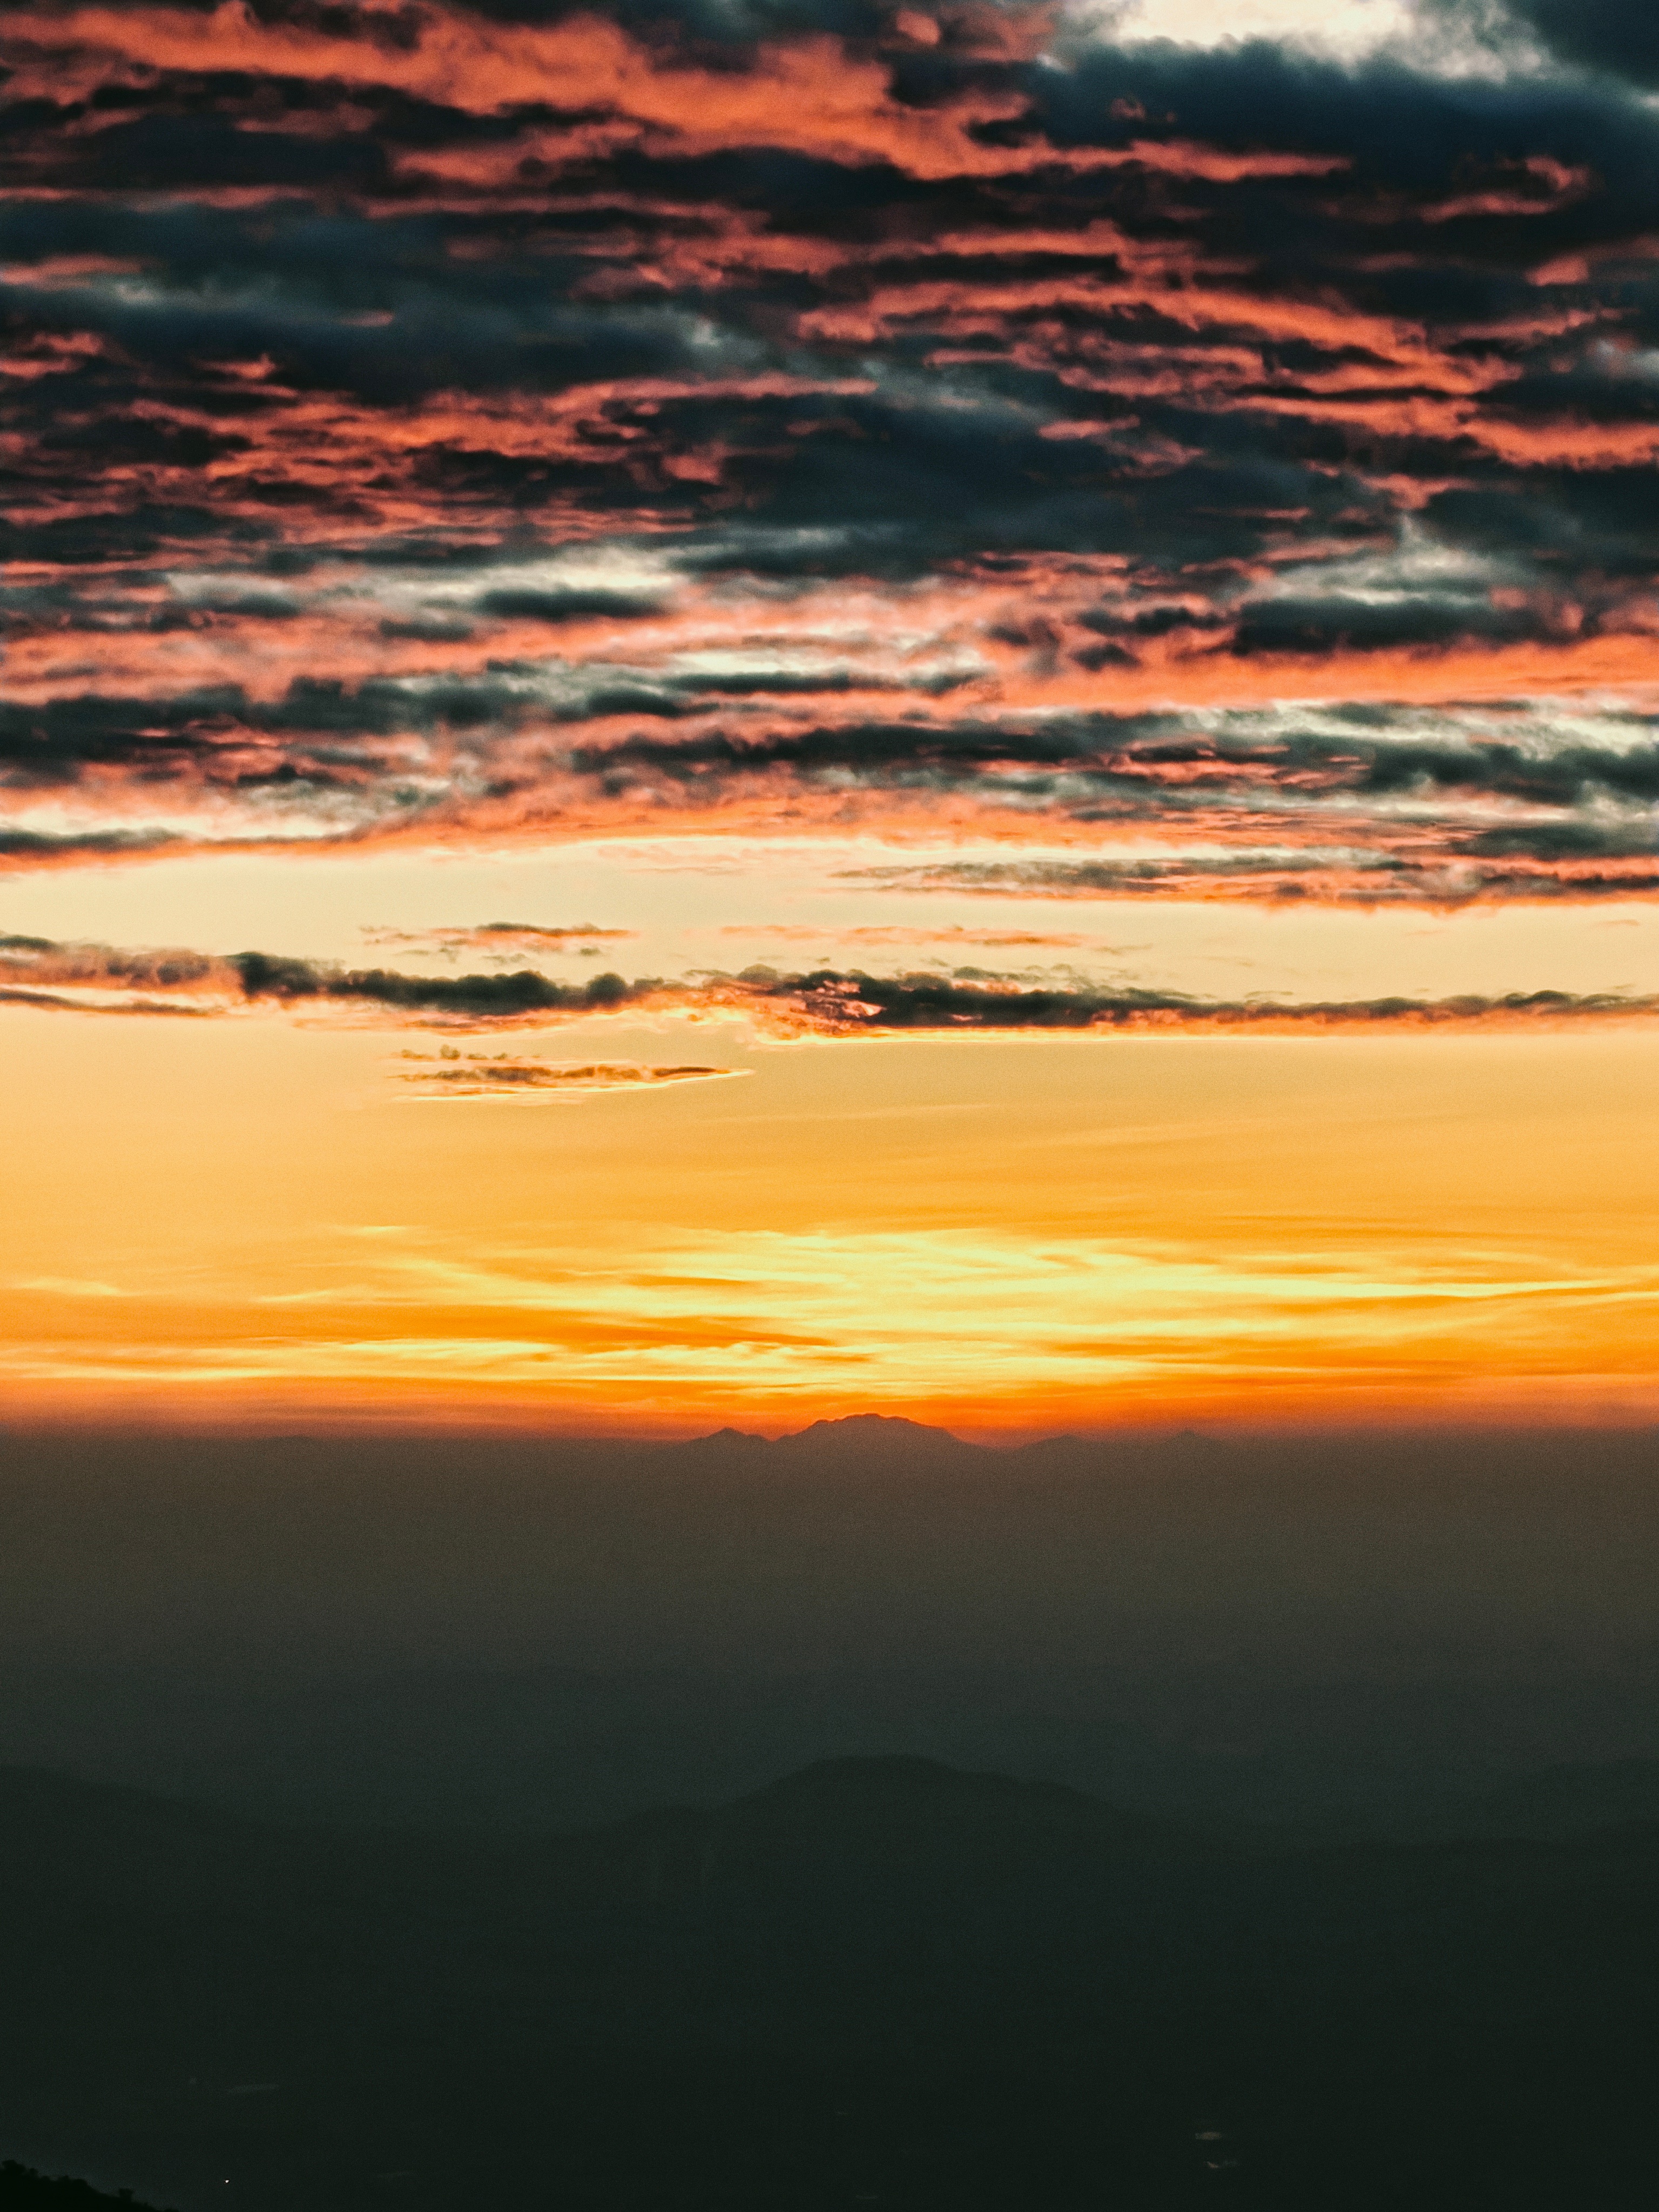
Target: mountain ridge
{"type": "Point", "coordinates": [842, 1432]}
{"type": "Point", "coordinates": [877, 1978]}
{"type": "Point", "coordinates": [848, 1435]}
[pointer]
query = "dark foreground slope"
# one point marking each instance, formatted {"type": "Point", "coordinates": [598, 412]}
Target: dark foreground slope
{"type": "Point", "coordinates": [879, 1982]}
{"type": "Point", "coordinates": [23, 2189]}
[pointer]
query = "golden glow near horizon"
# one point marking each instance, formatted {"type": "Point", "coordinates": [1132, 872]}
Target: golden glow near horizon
{"type": "Point", "coordinates": [259, 1217]}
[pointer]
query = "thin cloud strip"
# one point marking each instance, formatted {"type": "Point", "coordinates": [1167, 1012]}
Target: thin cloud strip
{"type": "Point", "coordinates": [816, 1002]}
{"type": "Point", "coordinates": [476, 1075]}
{"type": "Point", "coordinates": [1545, 799]}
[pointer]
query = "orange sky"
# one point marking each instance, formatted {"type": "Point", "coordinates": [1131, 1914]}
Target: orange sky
{"type": "Point", "coordinates": [253, 1219]}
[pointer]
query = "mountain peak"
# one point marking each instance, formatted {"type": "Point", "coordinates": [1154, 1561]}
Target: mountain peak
{"type": "Point", "coordinates": [853, 1436]}
{"type": "Point", "coordinates": [874, 1428]}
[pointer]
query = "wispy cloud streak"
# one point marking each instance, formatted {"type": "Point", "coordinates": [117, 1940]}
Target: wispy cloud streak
{"type": "Point", "coordinates": [815, 1002]}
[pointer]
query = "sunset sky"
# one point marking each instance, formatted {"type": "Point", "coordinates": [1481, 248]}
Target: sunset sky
{"type": "Point", "coordinates": [734, 710]}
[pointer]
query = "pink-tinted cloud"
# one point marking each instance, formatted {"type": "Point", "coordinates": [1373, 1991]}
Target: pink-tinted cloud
{"type": "Point", "coordinates": [413, 439]}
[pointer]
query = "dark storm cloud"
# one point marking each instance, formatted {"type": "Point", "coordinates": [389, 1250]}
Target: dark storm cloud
{"type": "Point", "coordinates": [1134, 761]}
{"type": "Point", "coordinates": [1596, 795]}
{"type": "Point", "coordinates": [563, 606]}
{"type": "Point", "coordinates": [224, 737]}
{"type": "Point", "coordinates": [417, 411]}
{"type": "Point", "coordinates": [43, 846]}
{"type": "Point", "coordinates": [106, 966]}
{"type": "Point", "coordinates": [1533, 863]}
{"type": "Point", "coordinates": [1619, 37]}
{"type": "Point", "coordinates": [818, 1001]}
{"type": "Point", "coordinates": [850, 1004]}
{"type": "Point", "coordinates": [35, 966]}
{"type": "Point", "coordinates": [526, 991]}
{"type": "Point", "coordinates": [734, 24]}
{"type": "Point", "coordinates": [327, 321]}
{"type": "Point", "coordinates": [1362, 802]}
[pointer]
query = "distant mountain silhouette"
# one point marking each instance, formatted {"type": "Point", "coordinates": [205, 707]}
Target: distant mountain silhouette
{"type": "Point", "coordinates": [852, 1440]}
{"type": "Point", "coordinates": [519, 1632]}
{"type": "Point", "coordinates": [860, 1435]}
{"type": "Point", "coordinates": [852, 1436]}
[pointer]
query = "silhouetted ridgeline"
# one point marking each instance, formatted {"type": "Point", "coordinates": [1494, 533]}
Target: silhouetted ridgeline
{"type": "Point", "coordinates": [878, 1981]}
{"type": "Point", "coordinates": [514, 1631]}
{"type": "Point", "coordinates": [23, 2189]}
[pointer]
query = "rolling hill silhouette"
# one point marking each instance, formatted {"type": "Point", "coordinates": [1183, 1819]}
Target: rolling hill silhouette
{"type": "Point", "coordinates": [876, 1979]}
